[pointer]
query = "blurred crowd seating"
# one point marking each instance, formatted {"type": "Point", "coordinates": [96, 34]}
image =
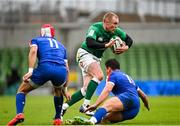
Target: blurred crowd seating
{"type": "Point", "coordinates": [133, 17]}
{"type": "Point", "coordinates": [150, 61]}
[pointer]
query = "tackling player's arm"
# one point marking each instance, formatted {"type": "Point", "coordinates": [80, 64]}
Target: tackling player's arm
{"type": "Point", "coordinates": [144, 98]}
{"type": "Point", "coordinates": [105, 93]}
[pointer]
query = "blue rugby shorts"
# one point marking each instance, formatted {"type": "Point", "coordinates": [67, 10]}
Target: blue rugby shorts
{"type": "Point", "coordinates": [131, 105]}
{"type": "Point", "coordinates": [49, 71]}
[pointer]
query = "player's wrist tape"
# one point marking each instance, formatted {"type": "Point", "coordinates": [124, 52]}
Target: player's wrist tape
{"type": "Point", "coordinates": [30, 70]}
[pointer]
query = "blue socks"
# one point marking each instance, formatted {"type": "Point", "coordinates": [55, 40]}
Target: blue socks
{"type": "Point", "coordinates": [58, 101]}
{"type": "Point", "coordinates": [20, 102]}
{"type": "Point", "coordinates": [100, 113]}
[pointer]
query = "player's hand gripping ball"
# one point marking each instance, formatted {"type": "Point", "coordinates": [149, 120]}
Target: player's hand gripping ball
{"type": "Point", "coordinates": [118, 43]}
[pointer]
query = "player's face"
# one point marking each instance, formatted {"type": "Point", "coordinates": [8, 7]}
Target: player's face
{"type": "Point", "coordinates": [111, 24]}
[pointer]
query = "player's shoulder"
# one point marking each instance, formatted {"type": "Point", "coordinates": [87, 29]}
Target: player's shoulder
{"type": "Point", "coordinates": [116, 73]}
{"type": "Point", "coordinates": [60, 43]}
{"type": "Point", "coordinates": [119, 30]}
{"type": "Point", "coordinates": [37, 38]}
{"type": "Point", "coordinates": [119, 74]}
{"type": "Point", "coordinates": [34, 40]}
{"type": "Point", "coordinates": [97, 24]}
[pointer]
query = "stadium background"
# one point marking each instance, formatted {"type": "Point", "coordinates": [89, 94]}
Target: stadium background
{"type": "Point", "coordinates": [154, 25]}
{"type": "Point", "coordinates": [153, 60]}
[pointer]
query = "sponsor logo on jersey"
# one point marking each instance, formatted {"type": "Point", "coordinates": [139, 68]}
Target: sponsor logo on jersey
{"type": "Point", "coordinates": [100, 39]}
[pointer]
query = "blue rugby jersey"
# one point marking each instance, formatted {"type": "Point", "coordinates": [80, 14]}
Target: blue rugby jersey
{"type": "Point", "coordinates": [49, 49]}
{"type": "Point", "coordinates": [122, 83]}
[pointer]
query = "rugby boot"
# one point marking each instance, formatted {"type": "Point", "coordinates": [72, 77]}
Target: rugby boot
{"type": "Point", "coordinates": [83, 108]}
{"type": "Point", "coordinates": [57, 122]}
{"type": "Point", "coordinates": [19, 118]}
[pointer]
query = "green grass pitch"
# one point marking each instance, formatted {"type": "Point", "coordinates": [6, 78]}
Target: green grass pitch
{"type": "Point", "coordinates": [39, 110]}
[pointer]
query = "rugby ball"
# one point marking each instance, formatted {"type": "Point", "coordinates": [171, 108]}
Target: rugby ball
{"type": "Point", "coordinates": [118, 43]}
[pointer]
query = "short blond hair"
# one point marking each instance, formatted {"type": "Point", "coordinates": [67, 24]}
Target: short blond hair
{"type": "Point", "coordinates": [109, 16]}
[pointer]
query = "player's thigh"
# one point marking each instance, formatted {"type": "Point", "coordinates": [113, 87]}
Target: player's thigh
{"type": "Point", "coordinates": [89, 64]}
{"type": "Point", "coordinates": [57, 91]}
{"type": "Point", "coordinates": [40, 75]}
{"type": "Point", "coordinates": [129, 100]}
{"type": "Point", "coordinates": [113, 104]}
{"type": "Point", "coordinates": [58, 75]}
{"type": "Point", "coordinates": [130, 113]}
{"type": "Point", "coordinates": [84, 58]}
{"type": "Point", "coordinates": [94, 69]}
{"type": "Point", "coordinates": [25, 88]}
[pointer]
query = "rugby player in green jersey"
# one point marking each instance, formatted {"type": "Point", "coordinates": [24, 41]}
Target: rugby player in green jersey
{"type": "Point", "coordinates": [98, 39]}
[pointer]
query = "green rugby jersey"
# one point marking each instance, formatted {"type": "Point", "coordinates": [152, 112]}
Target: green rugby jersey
{"type": "Point", "coordinates": [98, 33]}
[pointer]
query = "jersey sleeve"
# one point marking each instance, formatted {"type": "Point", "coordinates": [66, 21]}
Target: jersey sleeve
{"type": "Point", "coordinates": [33, 42]}
{"type": "Point", "coordinates": [65, 54]}
{"type": "Point", "coordinates": [121, 33]}
{"type": "Point", "coordinates": [91, 32]}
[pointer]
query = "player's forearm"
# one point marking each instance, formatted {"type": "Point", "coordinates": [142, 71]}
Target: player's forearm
{"type": "Point", "coordinates": [102, 97]}
{"type": "Point", "coordinates": [145, 101]}
{"type": "Point", "coordinates": [91, 43]}
{"type": "Point", "coordinates": [144, 98]}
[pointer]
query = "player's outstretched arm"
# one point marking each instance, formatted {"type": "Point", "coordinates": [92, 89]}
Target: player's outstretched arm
{"type": "Point", "coordinates": [103, 96]}
{"type": "Point", "coordinates": [144, 98]}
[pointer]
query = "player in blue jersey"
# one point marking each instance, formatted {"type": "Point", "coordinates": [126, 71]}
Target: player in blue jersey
{"type": "Point", "coordinates": [52, 66]}
{"type": "Point", "coordinates": [125, 103]}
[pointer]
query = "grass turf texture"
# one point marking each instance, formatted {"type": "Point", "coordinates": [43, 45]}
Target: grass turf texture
{"type": "Point", "coordinates": [39, 110]}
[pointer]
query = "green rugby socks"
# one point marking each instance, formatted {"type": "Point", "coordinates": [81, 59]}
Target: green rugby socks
{"type": "Point", "coordinates": [91, 89]}
{"type": "Point", "coordinates": [75, 98]}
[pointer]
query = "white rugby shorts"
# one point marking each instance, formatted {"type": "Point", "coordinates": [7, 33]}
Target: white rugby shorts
{"type": "Point", "coordinates": [84, 59]}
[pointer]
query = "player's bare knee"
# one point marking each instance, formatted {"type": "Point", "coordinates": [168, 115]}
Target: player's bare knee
{"type": "Point", "coordinates": [22, 89]}
{"type": "Point", "coordinates": [95, 79]}
{"type": "Point", "coordinates": [57, 92]}
{"type": "Point", "coordinates": [108, 107]}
